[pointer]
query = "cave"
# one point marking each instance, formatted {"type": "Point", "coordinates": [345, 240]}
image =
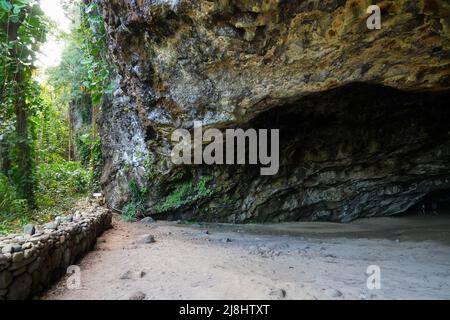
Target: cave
{"type": "Point", "coordinates": [358, 151]}
{"type": "Point", "coordinates": [434, 204]}
{"type": "Point", "coordinates": [363, 113]}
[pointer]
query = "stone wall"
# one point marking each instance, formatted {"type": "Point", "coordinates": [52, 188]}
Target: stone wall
{"type": "Point", "coordinates": [30, 262]}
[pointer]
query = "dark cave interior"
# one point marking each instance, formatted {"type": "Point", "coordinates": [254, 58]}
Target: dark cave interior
{"type": "Point", "coordinates": [358, 151]}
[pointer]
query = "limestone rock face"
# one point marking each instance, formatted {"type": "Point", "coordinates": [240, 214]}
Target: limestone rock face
{"type": "Point", "coordinates": [363, 113]}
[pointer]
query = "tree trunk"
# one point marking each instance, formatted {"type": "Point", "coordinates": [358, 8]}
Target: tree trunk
{"type": "Point", "coordinates": [24, 176]}
{"type": "Point", "coordinates": [5, 163]}
{"type": "Point", "coordinates": [25, 165]}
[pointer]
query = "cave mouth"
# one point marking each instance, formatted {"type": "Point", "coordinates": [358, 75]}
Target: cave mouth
{"type": "Point", "coordinates": [434, 204]}
{"type": "Point", "coordinates": [362, 150]}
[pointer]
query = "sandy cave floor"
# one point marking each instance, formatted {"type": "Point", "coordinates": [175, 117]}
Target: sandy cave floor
{"type": "Point", "coordinates": [283, 261]}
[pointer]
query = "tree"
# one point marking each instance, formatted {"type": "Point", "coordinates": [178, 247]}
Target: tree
{"type": "Point", "coordinates": [23, 29]}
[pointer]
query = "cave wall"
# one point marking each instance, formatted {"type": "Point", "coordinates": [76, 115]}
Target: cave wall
{"type": "Point", "coordinates": [369, 136]}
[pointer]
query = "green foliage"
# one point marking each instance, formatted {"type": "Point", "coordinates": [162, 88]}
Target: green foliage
{"type": "Point", "coordinates": [59, 186]}
{"type": "Point", "coordinates": [92, 37]}
{"type": "Point", "coordinates": [187, 193]}
{"type": "Point", "coordinates": [17, 56]}
{"type": "Point", "coordinates": [51, 123]}
{"type": "Point", "coordinates": [96, 164]}
{"type": "Point", "coordinates": [84, 73]}
{"type": "Point", "coordinates": [84, 68]}
{"type": "Point", "coordinates": [84, 146]}
{"type": "Point", "coordinates": [23, 29]}
{"type": "Point", "coordinates": [136, 207]}
{"type": "Point", "coordinates": [56, 181]}
{"type": "Point", "coordinates": [13, 211]}
{"type": "Point", "coordinates": [59, 181]}
{"type": "Point", "coordinates": [8, 198]}
{"type": "Point", "coordinates": [90, 153]}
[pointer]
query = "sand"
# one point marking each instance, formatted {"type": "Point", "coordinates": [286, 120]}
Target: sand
{"type": "Point", "coordinates": [283, 261]}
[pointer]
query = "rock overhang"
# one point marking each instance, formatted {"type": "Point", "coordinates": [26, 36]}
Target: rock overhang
{"type": "Point", "coordinates": [229, 63]}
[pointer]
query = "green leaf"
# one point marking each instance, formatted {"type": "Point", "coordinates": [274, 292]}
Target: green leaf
{"type": "Point", "coordinates": [5, 6]}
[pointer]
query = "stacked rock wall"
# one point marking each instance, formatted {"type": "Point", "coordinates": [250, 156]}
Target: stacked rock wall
{"type": "Point", "coordinates": [30, 263]}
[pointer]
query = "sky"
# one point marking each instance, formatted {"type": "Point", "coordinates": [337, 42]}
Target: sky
{"type": "Point", "coordinates": [51, 52]}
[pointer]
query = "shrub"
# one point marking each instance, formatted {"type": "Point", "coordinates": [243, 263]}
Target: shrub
{"type": "Point", "coordinates": [12, 210]}
{"type": "Point", "coordinates": [185, 194]}
{"type": "Point", "coordinates": [136, 206]}
{"type": "Point", "coordinates": [59, 181]}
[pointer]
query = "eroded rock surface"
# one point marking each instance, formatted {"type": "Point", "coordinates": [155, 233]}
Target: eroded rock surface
{"type": "Point", "coordinates": [351, 145]}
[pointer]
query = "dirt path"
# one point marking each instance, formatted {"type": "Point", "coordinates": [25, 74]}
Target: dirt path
{"type": "Point", "coordinates": [287, 261]}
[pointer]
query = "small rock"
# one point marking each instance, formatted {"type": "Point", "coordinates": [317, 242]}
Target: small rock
{"type": "Point", "coordinates": [34, 266]}
{"type": "Point", "coordinates": [126, 276]}
{"type": "Point", "coordinates": [29, 229]}
{"type": "Point", "coordinates": [147, 239]}
{"type": "Point", "coordinates": [8, 256]}
{"type": "Point", "coordinates": [27, 246]}
{"type": "Point", "coordinates": [226, 240]}
{"type": "Point", "coordinates": [28, 253]}
{"type": "Point", "coordinates": [281, 293]}
{"type": "Point", "coordinates": [147, 220]}
{"type": "Point", "coordinates": [143, 274]}
{"type": "Point", "coordinates": [68, 219]}
{"type": "Point", "coordinates": [17, 257]}
{"type": "Point", "coordinates": [3, 259]}
{"type": "Point", "coordinates": [19, 271]}
{"type": "Point", "coordinates": [5, 279]}
{"type": "Point", "coordinates": [138, 296]}
{"type": "Point", "coordinates": [333, 293]}
{"type": "Point", "coordinates": [7, 249]}
{"type": "Point", "coordinates": [16, 247]}
{"type": "Point", "coordinates": [51, 226]}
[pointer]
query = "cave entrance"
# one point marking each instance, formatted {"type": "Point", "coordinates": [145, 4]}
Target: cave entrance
{"type": "Point", "coordinates": [434, 204]}
{"type": "Point", "coordinates": [354, 152]}
{"type": "Point", "coordinates": [358, 151]}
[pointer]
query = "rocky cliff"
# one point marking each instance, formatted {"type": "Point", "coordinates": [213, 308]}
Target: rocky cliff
{"type": "Point", "coordinates": [363, 114]}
